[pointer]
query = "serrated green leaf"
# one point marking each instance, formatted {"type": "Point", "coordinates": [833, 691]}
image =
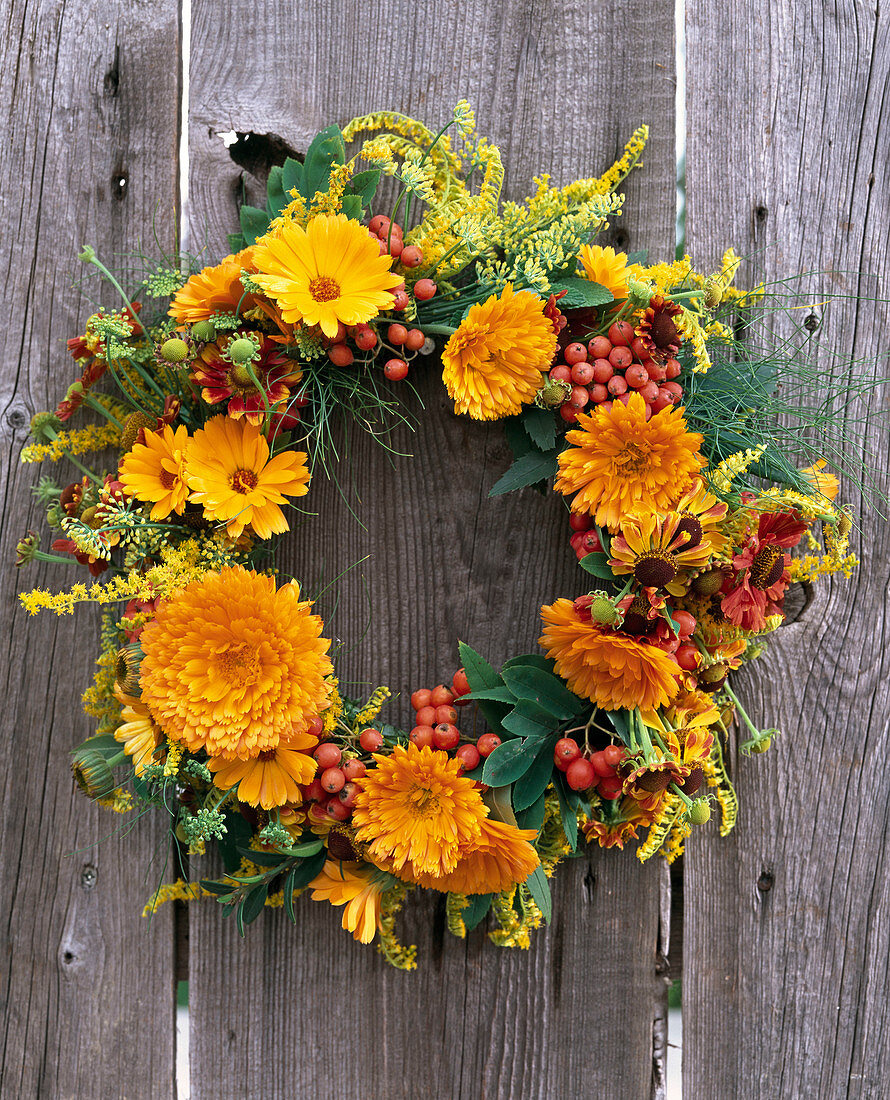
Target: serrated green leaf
{"type": "Point", "coordinates": [236, 242]}
{"type": "Point", "coordinates": [507, 763]}
{"type": "Point", "coordinates": [532, 785]}
{"type": "Point", "coordinates": [582, 294]}
{"type": "Point", "coordinates": [480, 675]}
{"type": "Point", "coordinates": [529, 470]}
{"type": "Point", "coordinates": [540, 426]}
{"type": "Point", "coordinates": [364, 184]}
{"type": "Point", "coordinates": [291, 177]}
{"type": "Point", "coordinates": [288, 889]}
{"type": "Point", "coordinates": [529, 719]}
{"type": "Point", "coordinates": [639, 257]}
{"type": "Point", "coordinates": [351, 206]}
{"type": "Point", "coordinates": [493, 695]}
{"type": "Point", "coordinates": [517, 437]}
{"type": "Point", "coordinates": [498, 800]}
{"type": "Point", "coordinates": [597, 564]}
{"type": "Point", "coordinates": [254, 223]}
{"type": "Point", "coordinates": [536, 660]}
{"type": "Point", "coordinates": [533, 816]}
{"type": "Point", "coordinates": [326, 150]}
{"type": "Point", "coordinates": [539, 888]}
{"type": "Point", "coordinates": [543, 688]}
{"type": "Point", "coordinates": [476, 911]}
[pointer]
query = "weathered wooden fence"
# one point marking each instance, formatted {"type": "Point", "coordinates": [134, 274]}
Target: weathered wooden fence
{"type": "Point", "coordinates": [785, 925]}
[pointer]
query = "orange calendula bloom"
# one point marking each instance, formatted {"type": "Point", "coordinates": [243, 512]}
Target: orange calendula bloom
{"type": "Point", "coordinates": [233, 665]}
{"type": "Point", "coordinates": [606, 267]}
{"type": "Point", "coordinates": [271, 778]}
{"type": "Point", "coordinates": [214, 290]}
{"type": "Point", "coordinates": [415, 812]}
{"type": "Point", "coordinates": [493, 362]}
{"type": "Point", "coordinates": [232, 477]}
{"type": "Point", "coordinates": [609, 668]}
{"type": "Point", "coordinates": [823, 481]}
{"type": "Point", "coordinates": [329, 272]}
{"type": "Point", "coordinates": [358, 887]}
{"type": "Point", "coordinates": [619, 463]}
{"type": "Point", "coordinates": [154, 471]}
{"type": "Point", "coordinates": [498, 859]}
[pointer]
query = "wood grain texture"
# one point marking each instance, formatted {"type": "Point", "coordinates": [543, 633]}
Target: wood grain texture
{"type": "Point", "coordinates": [89, 96]}
{"type": "Point", "coordinates": [560, 88]}
{"type": "Point", "coordinates": [786, 923]}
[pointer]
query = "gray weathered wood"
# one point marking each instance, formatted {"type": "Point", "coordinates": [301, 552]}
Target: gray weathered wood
{"type": "Point", "coordinates": [89, 94]}
{"type": "Point", "coordinates": [786, 923]}
{"type": "Point", "coordinates": [559, 87]}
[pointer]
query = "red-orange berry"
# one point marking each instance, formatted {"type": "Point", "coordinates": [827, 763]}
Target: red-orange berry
{"type": "Point", "coordinates": [621, 333]}
{"type": "Point", "coordinates": [412, 256]}
{"type": "Point", "coordinates": [613, 755]}
{"type": "Point", "coordinates": [354, 769]}
{"type": "Point", "coordinates": [336, 809]}
{"type": "Point", "coordinates": [579, 398]}
{"type": "Point", "coordinates": [333, 780]}
{"type": "Point", "coordinates": [640, 350]}
{"type": "Point", "coordinates": [569, 414]}
{"type": "Point", "coordinates": [582, 373]}
{"type": "Point", "coordinates": [578, 521]}
{"type": "Point", "coordinates": [575, 353]}
{"type": "Point", "coordinates": [636, 376]}
{"type": "Point", "coordinates": [379, 224]}
{"type": "Point", "coordinates": [672, 368]}
{"type": "Point", "coordinates": [487, 743]}
{"type": "Point", "coordinates": [371, 740]}
{"type": "Point", "coordinates": [469, 756]}
{"type": "Point", "coordinates": [441, 696]}
{"type": "Point", "coordinates": [421, 698]}
{"type": "Point", "coordinates": [580, 774]}
{"type": "Point", "coordinates": [598, 393]}
{"type": "Point", "coordinates": [340, 355]}
{"type": "Point", "coordinates": [560, 373]}
{"type": "Point", "coordinates": [415, 339]}
{"type": "Point", "coordinates": [424, 289]}
{"type": "Point", "coordinates": [396, 334]}
{"type": "Point", "coordinates": [602, 371]}
{"type": "Point", "coordinates": [621, 357]}
{"type": "Point", "coordinates": [348, 795]}
{"type": "Point", "coordinates": [446, 736]}
{"type": "Point", "coordinates": [601, 766]}
{"type": "Point", "coordinates": [445, 713]}
{"type": "Point", "coordinates": [566, 750]}
{"type": "Point", "coordinates": [399, 300]}
{"type": "Point", "coordinates": [422, 736]}
{"type": "Point", "coordinates": [460, 685]}
{"type": "Point", "coordinates": [327, 754]}
{"type": "Point", "coordinates": [617, 385]}
{"type": "Point", "coordinates": [315, 727]}
{"type": "Point", "coordinates": [395, 369]}
{"type": "Point", "coordinates": [599, 347]}
{"type": "Point", "coordinates": [426, 716]}
{"type": "Point", "coordinates": [687, 657]}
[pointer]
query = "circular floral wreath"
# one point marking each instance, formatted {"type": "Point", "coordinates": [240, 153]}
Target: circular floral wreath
{"type": "Point", "coordinates": [216, 696]}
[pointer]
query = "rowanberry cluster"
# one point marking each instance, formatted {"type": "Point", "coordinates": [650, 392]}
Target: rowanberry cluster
{"type": "Point", "coordinates": [610, 368]}
{"type": "Point", "coordinates": [435, 718]}
{"type": "Point", "coordinates": [587, 770]}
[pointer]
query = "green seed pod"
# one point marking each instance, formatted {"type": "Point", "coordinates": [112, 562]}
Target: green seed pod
{"type": "Point", "coordinates": [551, 395]}
{"type": "Point", "coordinates": [242, 351]}
{"type": "Point", "coordinates": [92, 774]}
{"type": "Point", "coordinates": [602, 610]}
{"type": "Point", "coordinates": [699, 812]}
{"type": "Point", "coordinates": [174, 350]}
{"type": "Point", "coordinates": [204, 331]}
{"type": "Point", "coordinates": [762, 745]}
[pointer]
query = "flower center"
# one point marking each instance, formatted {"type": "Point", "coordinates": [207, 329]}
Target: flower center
{"type": "Point", "coordinates": [691, 526]}
{"type": "Point", "coordinates": [167, 479]}
{"type": "Point", "coordinates": [422, 801]}
{"type": "Point", "coordinates": [239, 378]}
{"type": "Point", "coordinates": [767, 567]}
{"type": "Point", "coordinates": [655, 568]}
{"type": "Point", "coordinates": [663, 330]}
{"type": "Point", "coordinates": [324, 289]}
{"type": "Point", "coordinates": [631, 460]}
{"type": "Point", "coordinates": [266, 756]}
{"type": "Point", "coordinates": [238, 665]}
{"type": "Point", "coordinates": [243, 481]}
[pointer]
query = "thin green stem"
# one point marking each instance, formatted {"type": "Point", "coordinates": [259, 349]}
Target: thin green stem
{"type": "Point", "coordinates": [98, 407]}
{"type": "Point", "coordinates": [89, 256]}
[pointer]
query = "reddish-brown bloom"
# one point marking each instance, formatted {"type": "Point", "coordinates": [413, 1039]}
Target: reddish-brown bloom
{"type": "Point", "coordinates": [657, 329]}
{"type": "Point", "coordinates": [760, 576]}
{"type": "Point", "coordinates": [222, 380]}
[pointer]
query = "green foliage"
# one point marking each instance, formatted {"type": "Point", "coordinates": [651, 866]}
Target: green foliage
{"type": "Point", "coordinates": [581, 294]}
{"type": "Point", "coordinates": [532, 468]}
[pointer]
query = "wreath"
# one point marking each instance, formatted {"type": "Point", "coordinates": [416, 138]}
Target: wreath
{"type": "Point", "coordinates": [649, 392]}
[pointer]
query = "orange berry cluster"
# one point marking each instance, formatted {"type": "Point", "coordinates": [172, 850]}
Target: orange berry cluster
{"type": "Point", "coordinates": [435, 723]}
{"type": "Point", "coordinates": [611, 368]}
{"type": "Point", "coordinates": [590, 770]}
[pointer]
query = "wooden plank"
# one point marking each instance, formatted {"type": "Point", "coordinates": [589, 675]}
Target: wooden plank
{"type": "Point", "coordinates": [90, 96]}
{"type": "Point", "coordinates": [551, 84]}
{"type": "Point", "coordinates": [786, 922]}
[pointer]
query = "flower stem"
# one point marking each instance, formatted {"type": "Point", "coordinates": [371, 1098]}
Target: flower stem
{"type": "Point", "coordinates": [89, 256]}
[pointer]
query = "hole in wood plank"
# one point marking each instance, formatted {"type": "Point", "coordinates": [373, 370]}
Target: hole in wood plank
{"type": "Point", "coordinates": [17, 419]}
{"type": "Point", "coordinates": [112, 79]}
{"type": "Point", "coordinates": [765, 882]}
{"type": "Point", "coordinates": [797, 601]}
{"type": "Point", "coordinates": [761, 213]}
{"type": "Point", "coordinates": [257, 153]}
{"type": "Point", "coordinates": [88, 877]}
{"type": "Point", "coordinates": [119, 184]}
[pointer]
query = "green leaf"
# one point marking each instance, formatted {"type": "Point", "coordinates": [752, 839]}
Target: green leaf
{"type": "Point", "coordinates": [536, 660]}
{"type": "Point", "coordinates": [498, 800]}
{"type": "Point", "coordinates": [308, 869]}
{"type": "Point", "coordinates": [621, 724]}
{"type": "Point", "coordinates": [254, 223]}
{"type": "Point", "coordinates": [639, 257]}
{"type": "Point", "coordinates": [529, 719]}
{"type": "Point", "coordinates": [326, 150]}
{"type": "Point", "coordinates": [493, 695]}
{"type": "Point", "coordinates": [236, 242]}
{"type": "Point", "coordinates": [540, 424]}
{"type": "Point", "coordinates": [291, 177]}
{"type": "Point", "coordinates": [263, 859]}
{"type": "Point", "coordinates": [364, 184]}
{"type": "Point", "coordinates": [568, 805]}
{"type": "Point", "coordinates": [476, 911]}
{"type": "Point", "coordinates": [543, 688]}
{"type": "Point", "coordinates": [507, 763]}
{"type": "Point", "coordinates": [528, 470]}
{"type": "Point", "coordinates": [276, 200]}
{"type": "Point", "coordinates": [582, 294]}
{"type": "Point", "coordinates": [288, 889]}
{"type": "Point", "coordinates": [216, 887]}
{"type": "Point", "coordinates": [252, 905]}
{"type": "Point", "coordinates": [532, 785]}
{"type": "Point", "coordinates": [480, 675]}
{"type": "Point", "coordinates": [597, 564]}
{"type": "Point", "coordinates": [517, 437]}
{"type": "Point", "coordinates": [351, 205]}
{"type": "Point", "coordinates": [533, 816]}
{"type": "Point", "coordinates": [539, 888]}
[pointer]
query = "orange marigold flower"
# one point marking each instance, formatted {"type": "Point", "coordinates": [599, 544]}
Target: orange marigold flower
{"type": "Point", "coordinates": [620, 463]}
{"type": "Point", "coordinates": [233, 665]}
{"type": "Point", "coordinates": [415, 812]}
{"type": "Point", "coordinates": [612, 669]}
{"type": "Point", "coordinates": [232, 477]}
{"type": "Point", "coordinates": [154, 471]}
{"type": "Point", "coordinates": [358, 887]}
{"type": "Point", "coordinates": [213, 290]}
{"type": "Point", "coordinates": [272, 777]}
{"type": "Point", "coordinates": [498, 859]}
{"type": "Point", "coordinates": [657, 329]}
{"type": "Point", "coordinates": [493, 362]}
